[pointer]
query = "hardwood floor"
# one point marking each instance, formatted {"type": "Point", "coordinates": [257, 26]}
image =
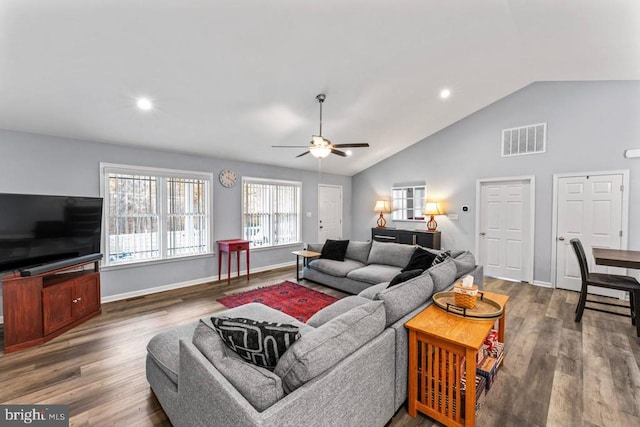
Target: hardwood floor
{"type": "Point", "coordinates": [556, 372]}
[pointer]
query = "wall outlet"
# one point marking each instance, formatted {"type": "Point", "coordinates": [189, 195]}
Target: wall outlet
{"type": "Point", "coordinates": [309, 214]}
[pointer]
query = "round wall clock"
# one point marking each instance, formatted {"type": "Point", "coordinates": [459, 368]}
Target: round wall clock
{"type": "Point", "coordinates": [227, 178]}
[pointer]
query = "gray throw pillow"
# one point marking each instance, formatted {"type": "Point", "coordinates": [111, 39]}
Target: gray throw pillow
{"type": "Point", "coordinates": [465, 262]}
{"type": "Point", "coordinates": [443, 275]}
{"type": "Point", "coordinates": [261, 387]}
{"type": "Point", "coordinates": [322, 348]}
{"type": "Point", "coordinates": [401, 299]}
{"type": "Point", "coordinates": [395, 254]}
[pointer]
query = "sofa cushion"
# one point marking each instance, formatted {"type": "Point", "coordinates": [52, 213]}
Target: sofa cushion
{"type": "Point", "coordinates": [358, 251]}
{"type": "Point", "coordinates": [374, 273]}
{"type": "Point", "coordinates": [335, 268]}
{"type": "Point", "coordinates": [257, 342]}
{"type": "Point", "coordinates": [322, 348]}
{"type": "Point", "coordinates": [336, 309]}
{"type": "Point", "coordinates": [164, 349]}
{"type": "Point", "coordinates": [334, 249]}
{"type": "Point", "coordinates": [443, 274]}
{"type": "Point", "coordinates": [404, 276]}
{"type": "Point", "coordinates": [261, 387]}
{"type": "Point", "coordinates": [465, 263]}
{"type": "Point", "coordinates": [372, 291]}
{"type": "Point", "coordinates": [395, 254]}
{"type": "Point", "coordinates": [441, 257]}
{"type": "Point", "coordinates": [420, 259]}
{"type": "Point", "coordinates": [406, 297]}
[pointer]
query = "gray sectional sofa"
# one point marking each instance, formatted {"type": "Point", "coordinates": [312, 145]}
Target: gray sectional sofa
{"type": "Point", "coordinates": [348, 368]}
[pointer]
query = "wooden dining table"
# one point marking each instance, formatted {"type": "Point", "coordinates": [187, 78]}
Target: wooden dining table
{"type": "Point", "coordinates": [617, 257]}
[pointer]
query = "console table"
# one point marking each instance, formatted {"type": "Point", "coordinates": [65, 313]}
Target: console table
{"type": "Point", "coordinates": [427, 239]}
{"type": "Point", "coordinates": [440, 344]}
{"type": "Point", "coordinates": [229, 246]}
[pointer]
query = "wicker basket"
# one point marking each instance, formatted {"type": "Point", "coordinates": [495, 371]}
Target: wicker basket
{"type": "Point", "coordinates": [465, 297]}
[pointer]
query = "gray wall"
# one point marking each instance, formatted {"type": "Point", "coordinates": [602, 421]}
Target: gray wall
{"type": "Point", "coordinates": [589, 125]}
{"type": "Point", "coordinates": [40, 164]}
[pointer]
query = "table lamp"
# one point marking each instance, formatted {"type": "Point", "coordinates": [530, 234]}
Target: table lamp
{"type": "Point", "coordinates": [382, 206]}
{"type": "Point", "coordinates": [432, 208]}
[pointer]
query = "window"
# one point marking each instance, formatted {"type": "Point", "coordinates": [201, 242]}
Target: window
{"type": "Point", "coordinates": [271, 212]}
{"type": "Point", "coordinates": [155, 214]}
{"type": "Point", "coordinates": [408, 203]}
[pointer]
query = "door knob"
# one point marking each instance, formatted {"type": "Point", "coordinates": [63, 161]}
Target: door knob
{"type": "Point", "coordinates": [561, 238]}
{"type": "Point", "coordinates": [482, 233]}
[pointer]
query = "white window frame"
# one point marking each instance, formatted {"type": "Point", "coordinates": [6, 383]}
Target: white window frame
{"type": "Point", "coordinates": [399, 213]}
{"type": "Point", "coordinates": [297, 184]}
{"type": "Point", "coordinates": [162, 208]}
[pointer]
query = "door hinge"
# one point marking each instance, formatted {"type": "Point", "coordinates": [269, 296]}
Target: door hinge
{"type": "Point", "coordinates": [620, 233]}
{"type": "Point", "coordinates": [621, 187]}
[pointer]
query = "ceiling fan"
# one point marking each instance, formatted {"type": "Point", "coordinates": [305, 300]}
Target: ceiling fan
{"type": "Point", "coordinates": [319, 146]}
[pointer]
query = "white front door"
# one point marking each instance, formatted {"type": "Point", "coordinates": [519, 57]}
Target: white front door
{"type": "Point", "coordinates": [588, 207]}
{"type": "Point", "coordinates": [329, 212]}
{"type": "Point", "coordinates": [506, 228]}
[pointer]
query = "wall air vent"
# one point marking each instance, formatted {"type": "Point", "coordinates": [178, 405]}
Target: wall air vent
{"type": "Point", "coordinates": [523, 140]}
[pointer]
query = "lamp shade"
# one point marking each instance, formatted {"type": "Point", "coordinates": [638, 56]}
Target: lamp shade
{"type": "Point", "coordinates": [382, 206]}
{"type": "Point", "coordinates": [432, 208]}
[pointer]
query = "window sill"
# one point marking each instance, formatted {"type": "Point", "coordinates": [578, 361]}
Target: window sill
{"type": "Point", "coordinates": [137, 264]}
{"type": "Point", "coordinates": [287, 245]}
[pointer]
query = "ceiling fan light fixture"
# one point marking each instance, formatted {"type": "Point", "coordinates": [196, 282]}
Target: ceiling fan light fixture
{"type": "Point", "coordinates": [317, 140]}
{"type": "Point", "coordinates": [320, 151]}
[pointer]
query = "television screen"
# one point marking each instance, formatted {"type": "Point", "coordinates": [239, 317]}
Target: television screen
{"type": "Point", "coordinates": [39, 229]}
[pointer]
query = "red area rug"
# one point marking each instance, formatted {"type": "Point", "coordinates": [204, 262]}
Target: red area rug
{"type": "Point", "coordinates": [288, 297]}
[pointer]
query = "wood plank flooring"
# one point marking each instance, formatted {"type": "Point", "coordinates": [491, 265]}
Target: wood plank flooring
{"type": "Point", "coordinates": [556, 372]}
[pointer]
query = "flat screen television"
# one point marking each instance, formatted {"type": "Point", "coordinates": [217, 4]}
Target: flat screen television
{"type": "Point", "coordinates": [36, 230]}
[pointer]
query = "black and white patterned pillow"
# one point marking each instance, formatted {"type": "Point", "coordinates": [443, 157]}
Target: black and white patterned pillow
{"type": "Point", "coordinates": [441, 257]}
{"type": "Point", "coordinates": [260, 343]}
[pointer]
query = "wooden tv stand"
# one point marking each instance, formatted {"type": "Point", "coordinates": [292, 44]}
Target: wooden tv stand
{"type": "Point", "coordinates": [38, 308]}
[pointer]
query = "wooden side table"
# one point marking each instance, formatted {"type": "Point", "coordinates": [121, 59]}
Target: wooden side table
{"type": "Point", "coordinates": [229, 246]}
{"type": "Point", "coordinates": [305, 260]}
{"type": "Point", "coordinates": [438, 342]}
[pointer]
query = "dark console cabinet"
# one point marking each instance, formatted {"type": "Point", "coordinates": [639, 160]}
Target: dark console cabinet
{"type": "Point", "coordinates": [427, 239]}
{"type": "Point", "coordinates": [40, 307]}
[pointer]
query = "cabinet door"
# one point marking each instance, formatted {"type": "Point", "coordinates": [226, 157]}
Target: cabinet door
{"type": "Point", "coordinates": [57, 307]}
{"type": "Point", "coordinates": [86, 295]}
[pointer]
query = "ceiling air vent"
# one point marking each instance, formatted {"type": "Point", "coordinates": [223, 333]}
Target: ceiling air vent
{"type": "Point", "coordinates": [523, 140]}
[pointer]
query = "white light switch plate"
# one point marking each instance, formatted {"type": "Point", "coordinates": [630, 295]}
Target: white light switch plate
{"type": "Point", "coordinates": [452, 216]}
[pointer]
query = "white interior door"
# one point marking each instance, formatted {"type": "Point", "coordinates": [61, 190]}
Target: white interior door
{"type": "Point", "coordinates": [329, 212]}
{"type": "Point", "coordinates": [506, 228]}
{"type": "Point", "coordinates": [588, 207]}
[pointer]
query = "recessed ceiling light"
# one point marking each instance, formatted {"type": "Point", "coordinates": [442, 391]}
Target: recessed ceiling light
{"type": "Point", "coordinates": [144, 104]}
{"type": "Point", "coordinates": [445, 93]}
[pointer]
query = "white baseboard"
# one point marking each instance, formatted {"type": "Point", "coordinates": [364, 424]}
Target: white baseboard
{"type": "Point", "coordinates": [149, 291]}
{"type": "Point", "coordinates": [543, 284]}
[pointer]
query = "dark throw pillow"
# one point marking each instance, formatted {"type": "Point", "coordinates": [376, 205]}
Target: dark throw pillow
{"type": "Point", "coordinates": [441, 257]}
{"type": "Point", "coordinates": [260, 343]}
{"type": "Point", "coordinates": [334, 249]}
{"type": "Point", "coordinates": [404, 276]}
{"type": "Point", "coordinates": [421, 259]}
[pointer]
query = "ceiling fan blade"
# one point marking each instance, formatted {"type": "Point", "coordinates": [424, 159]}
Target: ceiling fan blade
{"type": "Point", "coordinates": [289, 146]}
{"type": "Point", "coordinates": [338, 152]}
{"type": "Point", "coordinates": [364, 144]}
{"type": "Point", "coordinates": [303, 154]}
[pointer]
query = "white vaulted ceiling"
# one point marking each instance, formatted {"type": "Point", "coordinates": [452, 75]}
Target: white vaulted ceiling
{"type": "Point", "coordinates": [230, 78]}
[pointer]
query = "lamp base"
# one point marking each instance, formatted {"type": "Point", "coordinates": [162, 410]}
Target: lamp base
{"type": "Point", "coordinates": [432, 225]}
{"type": "Point", "coordinates": [382, 223]}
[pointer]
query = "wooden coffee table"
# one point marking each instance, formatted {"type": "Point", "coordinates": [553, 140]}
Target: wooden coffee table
{"type": "Point", "coordinates": [434, 385]}
{"type": "Point", "coordinates": [305, 260]}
